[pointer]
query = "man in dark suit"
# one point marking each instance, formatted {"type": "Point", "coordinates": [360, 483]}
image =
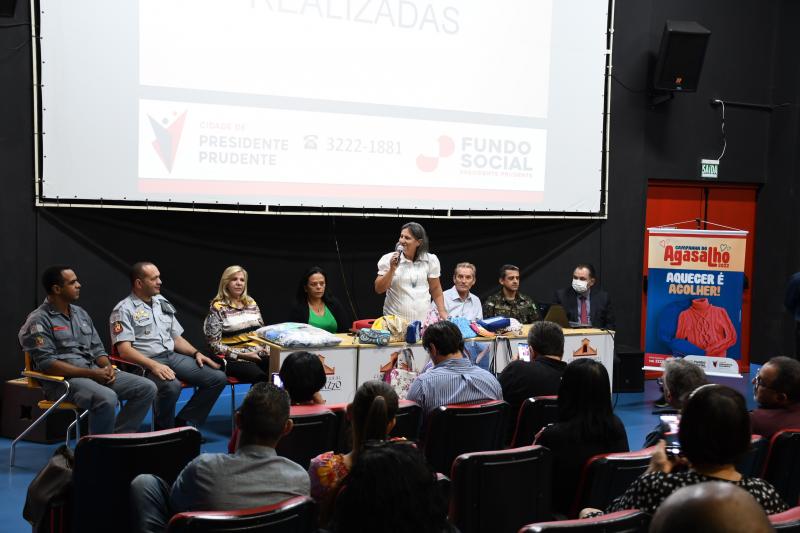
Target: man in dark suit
{"type": "Point", "coordinates": [585, 304]}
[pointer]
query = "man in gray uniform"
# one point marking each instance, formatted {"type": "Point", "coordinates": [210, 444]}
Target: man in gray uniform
{"type": "Point", "coordinates": [145, 331]}
{"type": "Point", "coordinates": [62, 341]}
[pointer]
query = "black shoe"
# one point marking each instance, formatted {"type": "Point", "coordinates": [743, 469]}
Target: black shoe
{"type": "Point", "coordinates": [661, 402]}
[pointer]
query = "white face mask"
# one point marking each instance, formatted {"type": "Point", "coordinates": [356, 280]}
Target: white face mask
{"type": "Point", "coordinates": [580, 286]}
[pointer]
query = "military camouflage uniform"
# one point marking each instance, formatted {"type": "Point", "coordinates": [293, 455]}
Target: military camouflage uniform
{"type": "Point", "coordinates": [522, 307]}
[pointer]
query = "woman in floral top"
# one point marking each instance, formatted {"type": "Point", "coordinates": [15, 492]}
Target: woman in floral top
{"type": "Point", "coordinates": [230, 328]}
{"type": "Point", "coordinates": [372, 417]}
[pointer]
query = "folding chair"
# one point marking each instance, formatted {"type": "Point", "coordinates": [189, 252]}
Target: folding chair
{"type": "Point", "coordinates": [48, 406]}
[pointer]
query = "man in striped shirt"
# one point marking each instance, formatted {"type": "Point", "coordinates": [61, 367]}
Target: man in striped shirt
{"type": "Point", "coordinates": [453, 379]}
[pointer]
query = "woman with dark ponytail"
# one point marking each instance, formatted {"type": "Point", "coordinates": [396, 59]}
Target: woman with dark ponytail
{"type": "Point", "coordinates": [372, 417]}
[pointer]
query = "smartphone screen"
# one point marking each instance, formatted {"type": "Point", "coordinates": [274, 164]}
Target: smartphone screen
{"type": "Point", "coordinates": [671, 436]}
{"type": "Point", "coordinates": [276, 380]}
{"type": "Point", "coordinates": [524, 352]}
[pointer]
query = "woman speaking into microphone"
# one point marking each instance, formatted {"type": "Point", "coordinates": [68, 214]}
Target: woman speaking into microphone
{"type": "Point", "coordinates": [410, 277]}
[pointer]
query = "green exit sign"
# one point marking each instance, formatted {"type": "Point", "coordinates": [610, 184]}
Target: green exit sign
{"type": "Point", "coordinates": [709, 168]}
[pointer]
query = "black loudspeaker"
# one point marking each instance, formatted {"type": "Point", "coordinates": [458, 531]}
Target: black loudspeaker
{"type": "Point", "coordinates": [7, 8]}
{"type": "Point", "coordinates": [680, 56]}
{"type": "Point", "coordinates": [628, 373]}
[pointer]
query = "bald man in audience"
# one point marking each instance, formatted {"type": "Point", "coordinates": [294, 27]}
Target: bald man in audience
{"type": "Point", "coordinates": [712, 507]}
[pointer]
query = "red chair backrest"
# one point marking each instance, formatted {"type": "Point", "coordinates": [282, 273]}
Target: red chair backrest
{"type": "Point", "coordinates": [782, 466]}
{"type": "Point", "coordinates": [621, 521]}
{"type": "Point", "coordinates": [407, 424]}
{"type": "Point", "coordinates": [363, 323]}
{"type": "Point", "coordinates": [607, 476]}
{"type": "Point", "coordinates": [534, 414]}
{"type": "Point", "coordinates": [315, 431]}
{"type": "Point", "coordinates": [501, 490]}
{"type": "Point", "coordinates": [752, 463]}
{"type": "Point", "coordinates": [295, 515]}
{"type": "Point", "coordinates": [455, 429]}
{"type": "Point", "coordinates": [787, 520]}
{"type": "Point", "coordinates": [105, 465]}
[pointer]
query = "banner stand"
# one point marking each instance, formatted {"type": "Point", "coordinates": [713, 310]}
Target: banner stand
{"type": "Point", "coordinates": [694, 297]}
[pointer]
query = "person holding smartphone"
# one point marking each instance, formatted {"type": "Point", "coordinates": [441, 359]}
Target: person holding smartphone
{"type": "Point", "coordinates": [714, 434]}
{"type": "Point", "coordinates": [680, 378]}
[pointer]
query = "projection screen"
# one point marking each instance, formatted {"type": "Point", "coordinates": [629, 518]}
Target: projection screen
{"type": "Point", "coordinates": [454, 107]}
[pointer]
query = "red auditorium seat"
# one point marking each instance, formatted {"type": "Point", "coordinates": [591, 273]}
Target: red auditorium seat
{"type": "Point", "coordinates": [500, 491]}
{"type": "Point", "coordinates": [782, 466]}
{"type": "Point", "coordinates": [462, 428]}
{"type": "Point", "coordinates": [620, 522]}
{"type": "Point", "coordinates": [534, 414]}
{"type": "Point", "coordinates": [607, 476]}
{"type": "Point", "coordinates": [295, 515]}
{"type": "Point", "coordinates": [315, 431]}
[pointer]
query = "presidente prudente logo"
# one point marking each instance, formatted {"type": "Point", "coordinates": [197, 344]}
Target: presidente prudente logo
{"type": "Point", "coordinates": [168, 131]}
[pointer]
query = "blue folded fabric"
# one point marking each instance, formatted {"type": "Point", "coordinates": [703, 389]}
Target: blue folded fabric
{"type": "Point", "coordinates": [495, 323]}
{"type": "Point", "coordinates": [463, 326]}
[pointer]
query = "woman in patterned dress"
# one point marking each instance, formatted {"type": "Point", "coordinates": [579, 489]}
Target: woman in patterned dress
{"type": "Point", "coordinates": [233, 317]}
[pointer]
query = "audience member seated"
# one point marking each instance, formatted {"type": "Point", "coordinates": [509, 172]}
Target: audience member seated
{"type": "Point", "coordinates": [714, 433]}
{"type": "Point", "coordinates": [146, 331]}
{"type": "Point", "coordinates": [316, 306]}
{"type": "Point", "coordinates": [230, 326]}
{"type": "Point", "coordinates": [390, 490]}
{"type": "Point", "coordinates": [508, 301]}
{"type": "Point", "coordinates": [303, 376]}
{"type": "Point", "coordinates": [251, 477]}
{"type": "Point", "coordinates": [680, 379]}
{"type": "Point", "coordinates": [453, 378]}
{"type": "Point", "coordinates": [776, 388]}
{"type": "Point", "coordinates": [62, 341]}
{"type": "Point", "coordinates": [586, 426]}
{"type": "Point", "coordinates": [542, 375]}
{"type": "Point", "coordinates": [372, 417]}
{"type": "Point", "coordinates": [710, 507]}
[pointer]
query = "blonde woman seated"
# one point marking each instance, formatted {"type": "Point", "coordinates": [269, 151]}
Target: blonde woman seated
{"type": "Point", "coordinates": [230, 328]}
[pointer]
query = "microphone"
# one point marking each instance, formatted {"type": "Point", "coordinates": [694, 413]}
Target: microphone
{"type": "Point", "coordinates": [399, 248]}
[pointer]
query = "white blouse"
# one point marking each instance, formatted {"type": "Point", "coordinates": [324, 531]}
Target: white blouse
{"type": "Point", "coordinates": [409, 294]}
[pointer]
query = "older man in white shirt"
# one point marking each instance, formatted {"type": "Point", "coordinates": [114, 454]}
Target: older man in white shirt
{"type": "Point", "coordinates": [458, 300]}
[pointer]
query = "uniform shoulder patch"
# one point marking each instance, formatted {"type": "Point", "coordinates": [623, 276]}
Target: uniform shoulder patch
{"type": "Point", "coordinates": [116, 327]}
{"type": "Point", "coordinates": [39, 340]}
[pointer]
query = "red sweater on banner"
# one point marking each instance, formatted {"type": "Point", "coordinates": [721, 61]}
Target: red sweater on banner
{"type": "Point", "coordinates": [707, 326]}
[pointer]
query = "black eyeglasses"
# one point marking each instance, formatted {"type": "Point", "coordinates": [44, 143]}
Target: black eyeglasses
{"type": "Point", "coordinates": [758, 381]}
